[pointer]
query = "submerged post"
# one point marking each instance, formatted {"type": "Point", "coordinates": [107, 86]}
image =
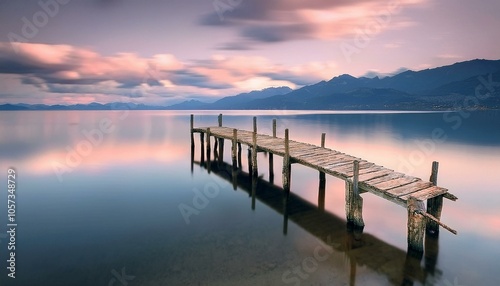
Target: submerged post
{"type": "Point", "coordinates": [416, 225]}
{"type": "Point", "coordinates": [434, 205]}
{"type": "Point", "coordinates": [220, 120]}
{"type": "Point", "coordinates": [354, 202]}
{"type": "Point", "coordinates": [286, 164]}
{"type": "Point", "coordinates": [323, 137]}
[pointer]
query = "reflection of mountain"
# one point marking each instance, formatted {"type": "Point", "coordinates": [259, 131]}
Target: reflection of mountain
{"type": "Point", "coordinates": [360, 249]}
{"type": "Point", "coordinates": [431, 89]}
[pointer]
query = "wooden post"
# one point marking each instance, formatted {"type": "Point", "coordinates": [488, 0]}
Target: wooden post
{"type": "Point", "coordinates": [434, 205]}
{"type": "Point", "coordinates": [274, 128]}
{"type": "Point", "coordinates": [192, 143]}
{"type": "Point", "coordinates": [208, 150]}
{"type": "Point", "coordinates": [322, 181]}
{"type": "Point", "coordinates": [254, 150]}
{"type": "Point", "coordinates": [271, 168]}
{"type": "Point", "coordinates": [416, 225]}
{"type": "Point", "coordinates": [220, 120]}
{"type": "Point", "coordinates": [221, 150]}
{"type": "Point", "coordinates": [249, 159]}
{"type": "Point", "coordinates": [254, 124]}
{"type": "Point", "coordinates": [192, 123]}
{"type": "Point", "coordinates": [321, 191]}
{"type": "Point", "coordinates": [354, 202]}
{"type": "Point", "coordinates": [286, 164]}
{"type": "Point", "coordinates": [239, 156]}
{"type": "Point", "coordinates": [202, 139]}
{"type": "Point", "coordinates": [235, 142]}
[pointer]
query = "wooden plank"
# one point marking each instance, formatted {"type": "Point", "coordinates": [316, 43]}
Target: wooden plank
{"type": "Point", "coordinates": [426, 193]}
{"type": "Point", "coordinates": [408, 189]}
{"type": "Point", "coordinates": [403, 181]}
{"type": "Point", "coordinates": [391, 176]}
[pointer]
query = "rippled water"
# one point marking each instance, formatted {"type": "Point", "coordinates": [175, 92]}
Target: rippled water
{"type": "Point", "coordinates": [111, 198]}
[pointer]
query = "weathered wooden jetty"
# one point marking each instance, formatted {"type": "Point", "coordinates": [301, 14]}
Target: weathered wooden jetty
{"type": "Point", "coordinates": [360, 249]}
{"type": "Point", "coordinates": [359, 175]}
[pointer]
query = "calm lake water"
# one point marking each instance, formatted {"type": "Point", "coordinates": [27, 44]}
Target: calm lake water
{"type": "Point", "coordinates": [101, 195]}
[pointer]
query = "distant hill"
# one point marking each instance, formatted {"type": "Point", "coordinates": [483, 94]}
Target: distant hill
{"type": "Point", "coordinates": [452, 86]}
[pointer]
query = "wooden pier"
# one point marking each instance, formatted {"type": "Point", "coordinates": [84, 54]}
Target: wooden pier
{"type": "Point", "coordinates": [359, 175]}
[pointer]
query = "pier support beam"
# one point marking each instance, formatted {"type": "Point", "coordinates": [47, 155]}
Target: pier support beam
{"type": "Point", "coordinates": [220, 120]}
{"type": "Point", "coordinates": [322, 181]}
{"type": "Point", "coordinates": [239, 156]}
{"type": "Point", "coordinates": [287, 167]}
{"type": "Point", "coordinates": [271, 157]}
{"type": "Point", "coordinates": [192, 142]}
{"type": "Point", "coordinates": [208, 151]}
{"type": "Point", "coordinates": [354, 202]}
{"type": "Point", "coordinates": [416, 225]}
{"type": "Point", "coordinates": [434, 205]}
{"type": "Point", "coordinates": [202, 141]}
{"type": "Point", "coordinates": [234, 146]}
{"type": "Point", "coordinates": [254, 148]}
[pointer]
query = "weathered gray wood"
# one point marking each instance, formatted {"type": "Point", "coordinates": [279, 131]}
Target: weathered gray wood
{"type": "Point", "coordinates": [235, 142]}
{"type": "Point", "coordinates": [220, 120]}
{"type": "Point", "coordinates": [191, 123]}
{"type": "Point", "coordinates": [427, 193]}
{"type": "Point", "coordinates": [435, 204]}
{"type": "Point", "coordinates": [323, 137]}
{"type": "Point", "coordinates": [408, 189]}
{"type": "Point", "coordinates": [416, 225]}
{"type": "Point", "coordinates": [286, 164]}
{"type": "Point", "coordinates": [255, 124]}
{"type": "Point", "coordinates": [254, 150]}
{"type": "Point", "coordinates": [374, 175]}
{"type": "Point", "coordinates": [274, 128]}
{"type": "Point", "coordinates": [398, 182]}
{"type": "Point", "coordinates": [354, 202]}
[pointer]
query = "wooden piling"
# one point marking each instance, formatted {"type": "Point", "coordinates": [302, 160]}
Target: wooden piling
{"type": "Point", "coordinates": [191, 124]}
{"type": "Point", "coordinates": [220, 120]}
{"type": "Point", "coordinates": [202, 140]}
{"type": "Point", "coordinates": [321, 191]}
{"type": "Point", "coordinates": [286, 164]}
{"type": "Point", "coordinates": [322, 181]}
{"type": "Point", "coordinates": [416, 225]}
{"type": "Point", "coordinates": [254, 150]}
{"type": "Point", "coordinates": [271, 168]}
{"type": "Point", "coordinates": [239, 156]}
{"type": "Point", "coordinates": [354, 202]}
{"type": "Point", "coordinates": [208, 151]}
{"type": "Point", "coordinates": [235, 143]}
{"type": "Point", "coordinates": [274, 128]}
{"type": "Point", "coordinates": [434, 205]}
{"type": "Point", "coordinates": [221, 150]}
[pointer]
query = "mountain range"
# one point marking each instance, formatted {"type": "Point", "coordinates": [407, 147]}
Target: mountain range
{"type": "Point", "coordinates": [470, 84]}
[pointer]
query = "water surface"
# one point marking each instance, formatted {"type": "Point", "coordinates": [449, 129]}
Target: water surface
{"type": "Point", "coordinates": [100, 194]}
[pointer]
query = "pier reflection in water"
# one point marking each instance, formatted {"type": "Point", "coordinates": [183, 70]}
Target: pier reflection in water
{"type": "Point", "coordinates": [360, 249]}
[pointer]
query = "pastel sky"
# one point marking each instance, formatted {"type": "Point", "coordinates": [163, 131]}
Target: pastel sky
{"type": "Point", "coordinates": [167, 51]}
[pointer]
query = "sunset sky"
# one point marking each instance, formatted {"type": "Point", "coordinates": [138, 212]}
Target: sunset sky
{"type": "Point", "coordinates": [167, 51]}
